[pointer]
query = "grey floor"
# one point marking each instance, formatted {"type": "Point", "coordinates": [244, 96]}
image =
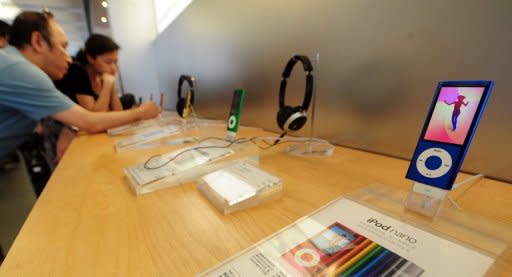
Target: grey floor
{"type": "Point", "coordinates": [16, 201]}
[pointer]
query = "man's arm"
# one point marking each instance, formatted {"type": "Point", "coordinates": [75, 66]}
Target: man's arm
{"type": "Point", "coordinates": [94, 122]}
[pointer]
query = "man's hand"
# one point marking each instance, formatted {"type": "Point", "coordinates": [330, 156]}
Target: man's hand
{"type": "Point", "coordinates": [65, 137]}
{"type": "Point", "coordinates": [148, 110]}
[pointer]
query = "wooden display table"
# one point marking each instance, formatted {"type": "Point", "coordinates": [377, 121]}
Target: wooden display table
{"type": "Point", "coordinates": [88, 222]}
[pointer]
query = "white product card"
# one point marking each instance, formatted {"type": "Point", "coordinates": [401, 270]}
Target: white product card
{"type": "Point", "coordinates": [345, 238]}
{"type": "Point", "coordinates": [239, 182]}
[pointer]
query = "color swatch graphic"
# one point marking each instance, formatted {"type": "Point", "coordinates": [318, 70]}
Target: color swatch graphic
{"type": "Point", "coordinates": [339, 251]}
{"type": "Point", "coordinates": [453, 114]}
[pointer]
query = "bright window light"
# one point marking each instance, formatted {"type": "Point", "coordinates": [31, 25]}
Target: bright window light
{"type": "Point", "coordinates": [167, 10]}
{"type": "Point", "coordinates": [8, 10]}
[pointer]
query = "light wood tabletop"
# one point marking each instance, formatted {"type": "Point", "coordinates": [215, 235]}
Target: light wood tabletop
{"type": "Point", "coordinates": [88, 222]}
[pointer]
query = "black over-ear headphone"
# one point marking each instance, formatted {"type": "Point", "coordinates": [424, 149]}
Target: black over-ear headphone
{"type": "Point", "coordinates": [293, 118]}
{"type": "Point", "coordinates": [182, 101]}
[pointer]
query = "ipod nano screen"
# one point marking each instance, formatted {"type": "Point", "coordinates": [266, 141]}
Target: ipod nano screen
{"type": "Point", "coordinates": [453, 114]}
{"type": "Point", "coordinates": [235, 103]}
{"type": "Point", "coordinates": [333, 239]}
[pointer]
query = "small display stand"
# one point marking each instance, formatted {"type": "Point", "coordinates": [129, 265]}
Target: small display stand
{"type": "Point", "coordinates": [313, 146]}
{"type": "Point", "coordinates": [483, 235]}
{"type": "Point", "coordinates": [424, 199]}
{"type": "Point", "coordinates": [197, 127]}
{"type": "Point", "coordinates": [202, 128]}
{"type": "Point", "coordinates": [142, 138]}
{"type": "Point", "coordinates": [186, 164]}
{"type": "Point", "coordinates": [190, 123]}
{"type": "Point", "coordinates": [169, 129]}
{"type": "Point", "coordinates": [239, 186]}
{"type": "Point", "coordinates": [164, 119]}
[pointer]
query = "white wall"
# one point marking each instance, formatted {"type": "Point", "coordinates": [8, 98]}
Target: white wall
{"type": "Point", "coordinates": [133, 28]}
{"type": "Point", "coordinates": [379, 64]}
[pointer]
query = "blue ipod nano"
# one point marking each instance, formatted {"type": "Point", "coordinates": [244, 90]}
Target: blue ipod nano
{"type": "Point", "coordinates": [448, 130]}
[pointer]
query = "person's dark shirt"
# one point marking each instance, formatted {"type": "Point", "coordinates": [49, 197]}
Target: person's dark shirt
{"type": "Point", "coordinates": [76, 81]}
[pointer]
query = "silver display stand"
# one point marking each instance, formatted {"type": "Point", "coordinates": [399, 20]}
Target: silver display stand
{"type": "Point", "coordinates": [313, 146]}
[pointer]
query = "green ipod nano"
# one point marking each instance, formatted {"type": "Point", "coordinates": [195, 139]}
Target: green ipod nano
{"type": "Point", "coordinates": [234, 114]}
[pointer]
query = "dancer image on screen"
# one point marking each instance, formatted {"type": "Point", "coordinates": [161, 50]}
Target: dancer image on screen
{"type": "Point", "coordinates": [456, 109]}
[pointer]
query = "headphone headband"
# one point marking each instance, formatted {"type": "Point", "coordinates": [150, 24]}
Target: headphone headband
{"type": "Point", "coordinates": [306, 64]}
{"type": "Point", "coordinates": [190, 82]}
{"type": "Point", "coordinates": [308, 68]}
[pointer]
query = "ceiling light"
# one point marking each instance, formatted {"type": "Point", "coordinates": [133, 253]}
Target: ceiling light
{"type": "Point", "coordinates": [103, 19]}
{"type": "Point", "coordinates": [104, 4]}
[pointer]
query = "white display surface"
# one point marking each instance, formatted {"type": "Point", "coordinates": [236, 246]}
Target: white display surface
{"type": "Point", "coordinates": [239, 182]}
{"type": "Point", "coordinates": [318, 245]}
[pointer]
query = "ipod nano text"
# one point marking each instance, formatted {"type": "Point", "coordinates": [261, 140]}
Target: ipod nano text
{"type": "Point", "coordinates": [448, 130]}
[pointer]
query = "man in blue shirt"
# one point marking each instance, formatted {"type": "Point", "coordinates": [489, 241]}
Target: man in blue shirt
{"type": "Point", "coordinates": [4, 33]}
{"type": "Point", "coordinates": [27, 94]}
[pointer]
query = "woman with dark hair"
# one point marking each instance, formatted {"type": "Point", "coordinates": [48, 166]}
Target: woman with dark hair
{"type": "Point", "coordinates": [90, 80]}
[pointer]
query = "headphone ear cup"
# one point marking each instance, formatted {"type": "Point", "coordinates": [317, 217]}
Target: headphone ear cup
{"type": "Point", "coordinates": [282, 116]}
{"type": "Point", "coordinates": [295, 114]}
{"type": "Point", "coordinates": [297, 118]}
{"type": "Point", "coordinates": [180, 106]}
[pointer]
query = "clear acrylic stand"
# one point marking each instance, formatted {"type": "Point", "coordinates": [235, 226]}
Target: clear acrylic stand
{"type": "Point", "coordinates": [170, 130]}
{"type": "Point", "coordinates": [313, 146]}
{"type": "Point", "coordinates": [486, 236]}
{"type": "Point", "coordinates": [167, 129]}
{"type": "Point", "coordinates": [201, 128]}
{"type": "Point", "coordinates": [165, 118]}
{"type": "Point", "coordinates": [428, 200]}
{"type": "Point", "coordinates": [186, 164]}
{"type": "Point", "coordinates": [146, 138]}
{"type": "Point", "coordinates": [190, 126]}
{"type": "Point", "coordinates": [454, 243]}
{"type": "Point", "coordinates": [239, 186]}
